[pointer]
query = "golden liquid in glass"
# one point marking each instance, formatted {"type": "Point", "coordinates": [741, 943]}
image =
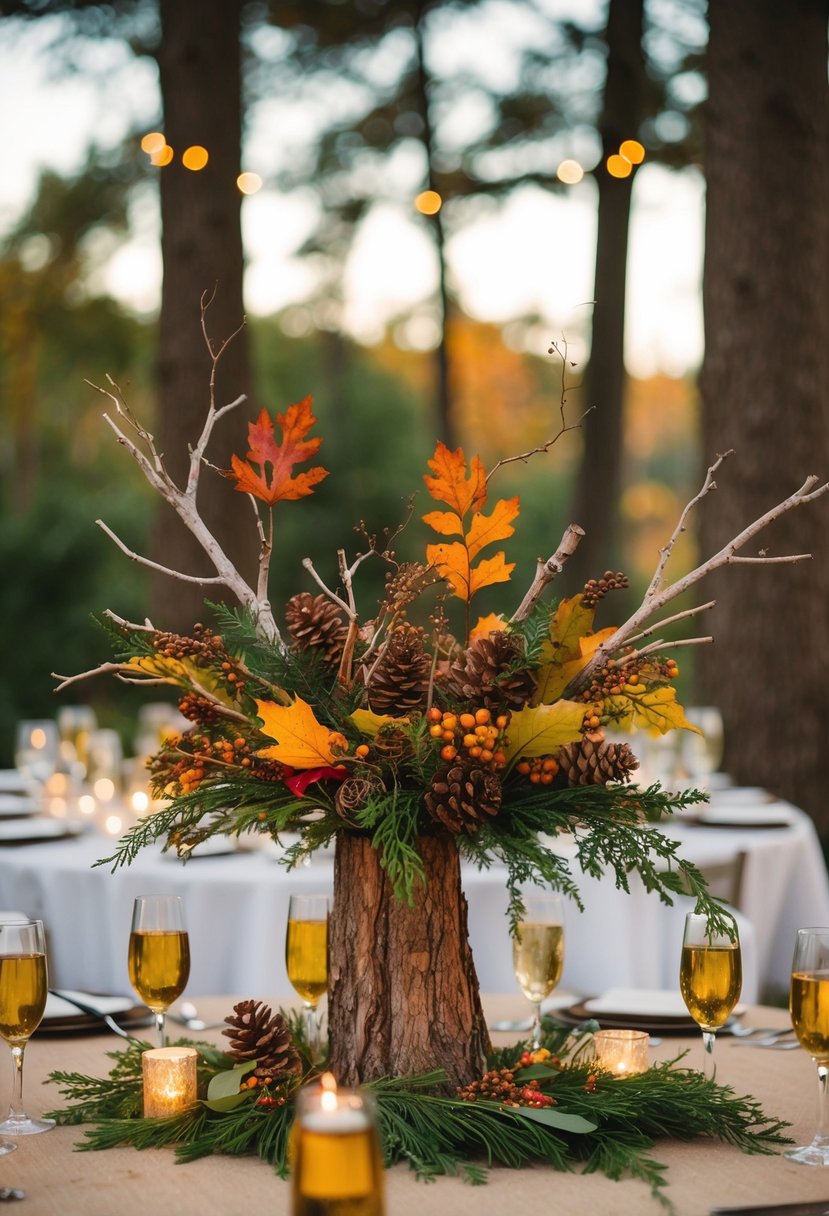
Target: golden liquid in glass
{"type": "Point", "coordinates": [809, 1007]}
{"type": "Point", "coordinates": [23, 987]}
{"type": "Point", "coordinates": [337, 1175]}
{"type": "Point", "coordinates": [159, 966]}
{"type": "Point", "coordinates": [306, 958]}
{"type": "Point", "coordinates": [710, 979]}
{"type": "Point", "coordinates": [537, 958]}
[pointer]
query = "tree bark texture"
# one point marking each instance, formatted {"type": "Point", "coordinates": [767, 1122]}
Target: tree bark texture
{"type": "Point", "coordinates": [201, 245]}
{"type": "Point", "coordinates": [402, 993]}
{"type": "Point", "coordinates": [765, 386]}
{"type": "Point", "coordinates": [596, 502]}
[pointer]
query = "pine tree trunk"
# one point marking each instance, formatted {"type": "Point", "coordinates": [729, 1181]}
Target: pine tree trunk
{"type": "Point", "coordinates": [403, 994]}
{"type": "Point", "coordinates": [201, 245]}
{"type": "Point", "coordinates": [596, 498]}
{"type": "Point", "coordinates": [766, 386]}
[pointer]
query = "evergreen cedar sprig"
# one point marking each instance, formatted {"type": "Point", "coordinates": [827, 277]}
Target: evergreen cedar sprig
{"type": "Point", "coordinates": [436, 1134]}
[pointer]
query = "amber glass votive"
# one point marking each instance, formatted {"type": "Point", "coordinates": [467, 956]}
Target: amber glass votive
{"type": "Point", "coordinates": [337, 1166]}
{"type": "Point", "coordinates": [622, 1052]}
{"type": "Point", "coordinates": [169, 1075]}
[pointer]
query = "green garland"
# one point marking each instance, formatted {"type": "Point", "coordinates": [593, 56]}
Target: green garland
{"type": "Point", "coordinates": [596, 1121]}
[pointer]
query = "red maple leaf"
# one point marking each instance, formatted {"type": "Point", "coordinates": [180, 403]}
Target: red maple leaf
{"type": "Point", "coordinates": [282, 485]}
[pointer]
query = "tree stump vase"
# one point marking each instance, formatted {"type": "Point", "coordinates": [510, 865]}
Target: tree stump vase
{"type": "Point", "coordinates": [403, 994]}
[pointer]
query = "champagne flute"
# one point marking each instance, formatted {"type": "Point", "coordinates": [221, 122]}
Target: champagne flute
{"type": "Point", "coordinates": [23, 987]}
{"type": "Point", "coordinates": [710, 979]}
{"type": "Point", "coordinates": [538, 952]}
{"type": "Point", "coordinates": [306, 957]}
{"type": "Point", "coordinates": [809, 1007]}
{"type": "Point", "coordinates": [159, 954]}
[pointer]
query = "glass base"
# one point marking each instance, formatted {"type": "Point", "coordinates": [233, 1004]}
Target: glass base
{"type": "Point", "coordinates": [6, 1146]}
{"type": "Point", "coordinates": [809, 1154]}
{"type": "Point", "coordinates": [25, 1126]}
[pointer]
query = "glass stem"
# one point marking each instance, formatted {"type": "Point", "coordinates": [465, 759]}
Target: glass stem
{"type": "Point", "coordinates": [822, 1133]}
{"type": "Point", "coordinates": [709, 1067]}
{"type": "Point", "coordinates": [536, 1027]}
{"type": "Point", "coordinates": [17, 1112]}
{"type": "Point", "coordinates": [159, 1025]}
{"type": "Point", "coordinates": [312, 1031]}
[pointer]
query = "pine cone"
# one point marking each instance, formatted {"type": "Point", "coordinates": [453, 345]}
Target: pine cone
{"type": "Point", "coordinates": [587, 762]}
{"type": "Point", "coordinates": [488, 673]}
{"type": "Point", "coordinates": [354, 793]}
{"type": "Point", "coordinates": [257, 1034]}
{"type": "Point", "coordinates": [316, 623]}
{"type": "Point", "coordinates": [462, 795]}
{"type": "Point", "coordinates": [401, 679]}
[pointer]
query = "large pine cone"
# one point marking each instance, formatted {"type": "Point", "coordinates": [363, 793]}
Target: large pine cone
{"type": "Point", "coordinates": [489, 673]}
{"type": "Point", "coordinates": [595, 763]}
{"type": "Point", "coordinates": [462, 795]}
{"type": "Point", "coordinates": [257, 1034]}
{"type": "Point", "coordinates": [316, 623]}
{"type": "Point", "coordinates": [401, 679]}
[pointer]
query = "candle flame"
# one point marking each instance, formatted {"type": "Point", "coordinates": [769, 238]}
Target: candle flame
{"type": "Point", "coordinates": [328, 1099]}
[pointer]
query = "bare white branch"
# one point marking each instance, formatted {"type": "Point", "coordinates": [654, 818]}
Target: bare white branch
{"type": "Point", "coordinates": [708, 485]}
{"type": "Point", "coordinates": [332, 595]}
{"type": "Point", "coordinates": [146, 561]}
{"type": "Point", "coordinates": [547, 570]}
{"type": "Point", "coordinates": [670, 620]}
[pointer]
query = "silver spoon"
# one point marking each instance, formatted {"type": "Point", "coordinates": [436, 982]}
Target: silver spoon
{"type": "Point", "coordinates": [188, 1015]}
{"type": "Point", "coordinates": [8, 1193]}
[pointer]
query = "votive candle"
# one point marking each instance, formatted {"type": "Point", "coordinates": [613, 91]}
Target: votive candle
{"type": "Point", "coordinates": [169, 1075]}
{"type": "Point", "coordinates": [624, 1053]}
{"type": "Point", "coordinates": [337, 1165]}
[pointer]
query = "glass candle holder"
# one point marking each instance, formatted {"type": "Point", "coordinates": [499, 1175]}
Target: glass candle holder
{"type": "Point", "coordinates": [169, 1076]}
{"type": "Point", "coordinates": [337, 1166]}
{"type": "Point", "coordinates": [624, 1053]}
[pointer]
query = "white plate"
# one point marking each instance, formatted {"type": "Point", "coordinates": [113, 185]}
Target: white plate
{"type": "Point", "coordinates": [56, 1007]}
{"type": "Point", "coordinates": [14, 805]}
{"type": "Point", "coordinates": [24, 831]}
{"type": "Point", "coordinates": [13, 782]}
{"type": "Point", "coordinates": [742, 795]}
{"type": "Point", "coordinates": [745, 816]}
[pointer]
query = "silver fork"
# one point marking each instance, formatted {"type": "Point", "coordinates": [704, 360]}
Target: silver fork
{"type": "Point", "coordinates": [774, 1042]}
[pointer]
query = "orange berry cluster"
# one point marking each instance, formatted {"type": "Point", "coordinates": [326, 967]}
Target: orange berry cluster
{"type": "Point", "coordinates": [612, 679]}
{"type": "Point", "coordinates": [475, 733]}
{"type": "Point", "coordinates": [541, 770]}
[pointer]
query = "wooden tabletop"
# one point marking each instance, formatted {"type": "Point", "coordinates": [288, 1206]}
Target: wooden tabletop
{"type": "Point", "coordinates": [60, 1181]}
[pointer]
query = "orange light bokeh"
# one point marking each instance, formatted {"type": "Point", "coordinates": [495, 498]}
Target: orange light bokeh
{"type": "Point", "coordinates": [152, 142]}
{"type": "Point", "coordinates": [632, 150]}
{"type": "Point", "coordinates": [428, 202]}
{"type": "Point", "coordinates": [195, 157]}
{"type": "Point", "coordinates": [570, 172]}
{"type": "Point", "coordinates": [163, 156]}
{"type": "Point", "coordinates": [619, 166]}
{"type": "Point", "coordinates": [249, 183]}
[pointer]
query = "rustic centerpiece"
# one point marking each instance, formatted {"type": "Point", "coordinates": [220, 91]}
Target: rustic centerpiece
{"type": "Point", "coordinates": [412, 745]}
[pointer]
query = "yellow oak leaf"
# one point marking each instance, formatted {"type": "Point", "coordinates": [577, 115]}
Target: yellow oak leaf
{"type": "Point", "coordinates": [655, 710]}
{"type": "Point", "coordinates": [491, 623]}
{"type": "Point", "coordinates": [301, 741]}
{"type": "Point", "coordinates": [485, 529]}
{"type": "Point", "coordinates": [541, 729]}
{"type": "Point", "coordinates": [445, 522]}
{"type": "Point", "coordinates": [451, 483]}
{"type": "Point", "coordinates": [570, 644]}
{"type": "Point", "coordinates": [369, 723]}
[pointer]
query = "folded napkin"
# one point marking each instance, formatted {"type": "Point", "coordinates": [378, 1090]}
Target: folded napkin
{"type": "Point", "coordinates": [56, 1007]}
{"type": "Point", "coordinates": [655, 1002]}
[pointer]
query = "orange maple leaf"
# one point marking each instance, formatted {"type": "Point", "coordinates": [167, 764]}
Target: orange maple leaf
{"type": "Point", "coordinates": [301, 741]}
{"type": "Point", "coordinates": [452, 485]}
{"type": "Point", "coordinates": [491, 623]}
{"type": "Point", "coordinates": [282, 486]}
{"type": "Point", "coordinates": [485, 529]}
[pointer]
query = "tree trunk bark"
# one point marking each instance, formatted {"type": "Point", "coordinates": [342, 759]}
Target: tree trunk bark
{"type": "Point", "coordinates": [596, 499]}
{"type": "Point", "coordinates": [403, 994]}
{"type": "Point", "coordinates": [201, 246]}
{"type": "Point", "coordinates": [765, 385]}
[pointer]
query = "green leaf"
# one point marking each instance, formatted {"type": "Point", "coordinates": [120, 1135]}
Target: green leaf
{"type": "Point", "coordinates": [223, 1091]}
{"type": "Point", "coordinates": [555, 1118]}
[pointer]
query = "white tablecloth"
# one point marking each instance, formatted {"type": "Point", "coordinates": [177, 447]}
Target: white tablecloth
{"type": "Point", "coordinates": [236, 907]}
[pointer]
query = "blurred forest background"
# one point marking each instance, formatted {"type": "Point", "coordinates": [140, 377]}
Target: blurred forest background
{"type": "Point", "coordinates": [365, 112]}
